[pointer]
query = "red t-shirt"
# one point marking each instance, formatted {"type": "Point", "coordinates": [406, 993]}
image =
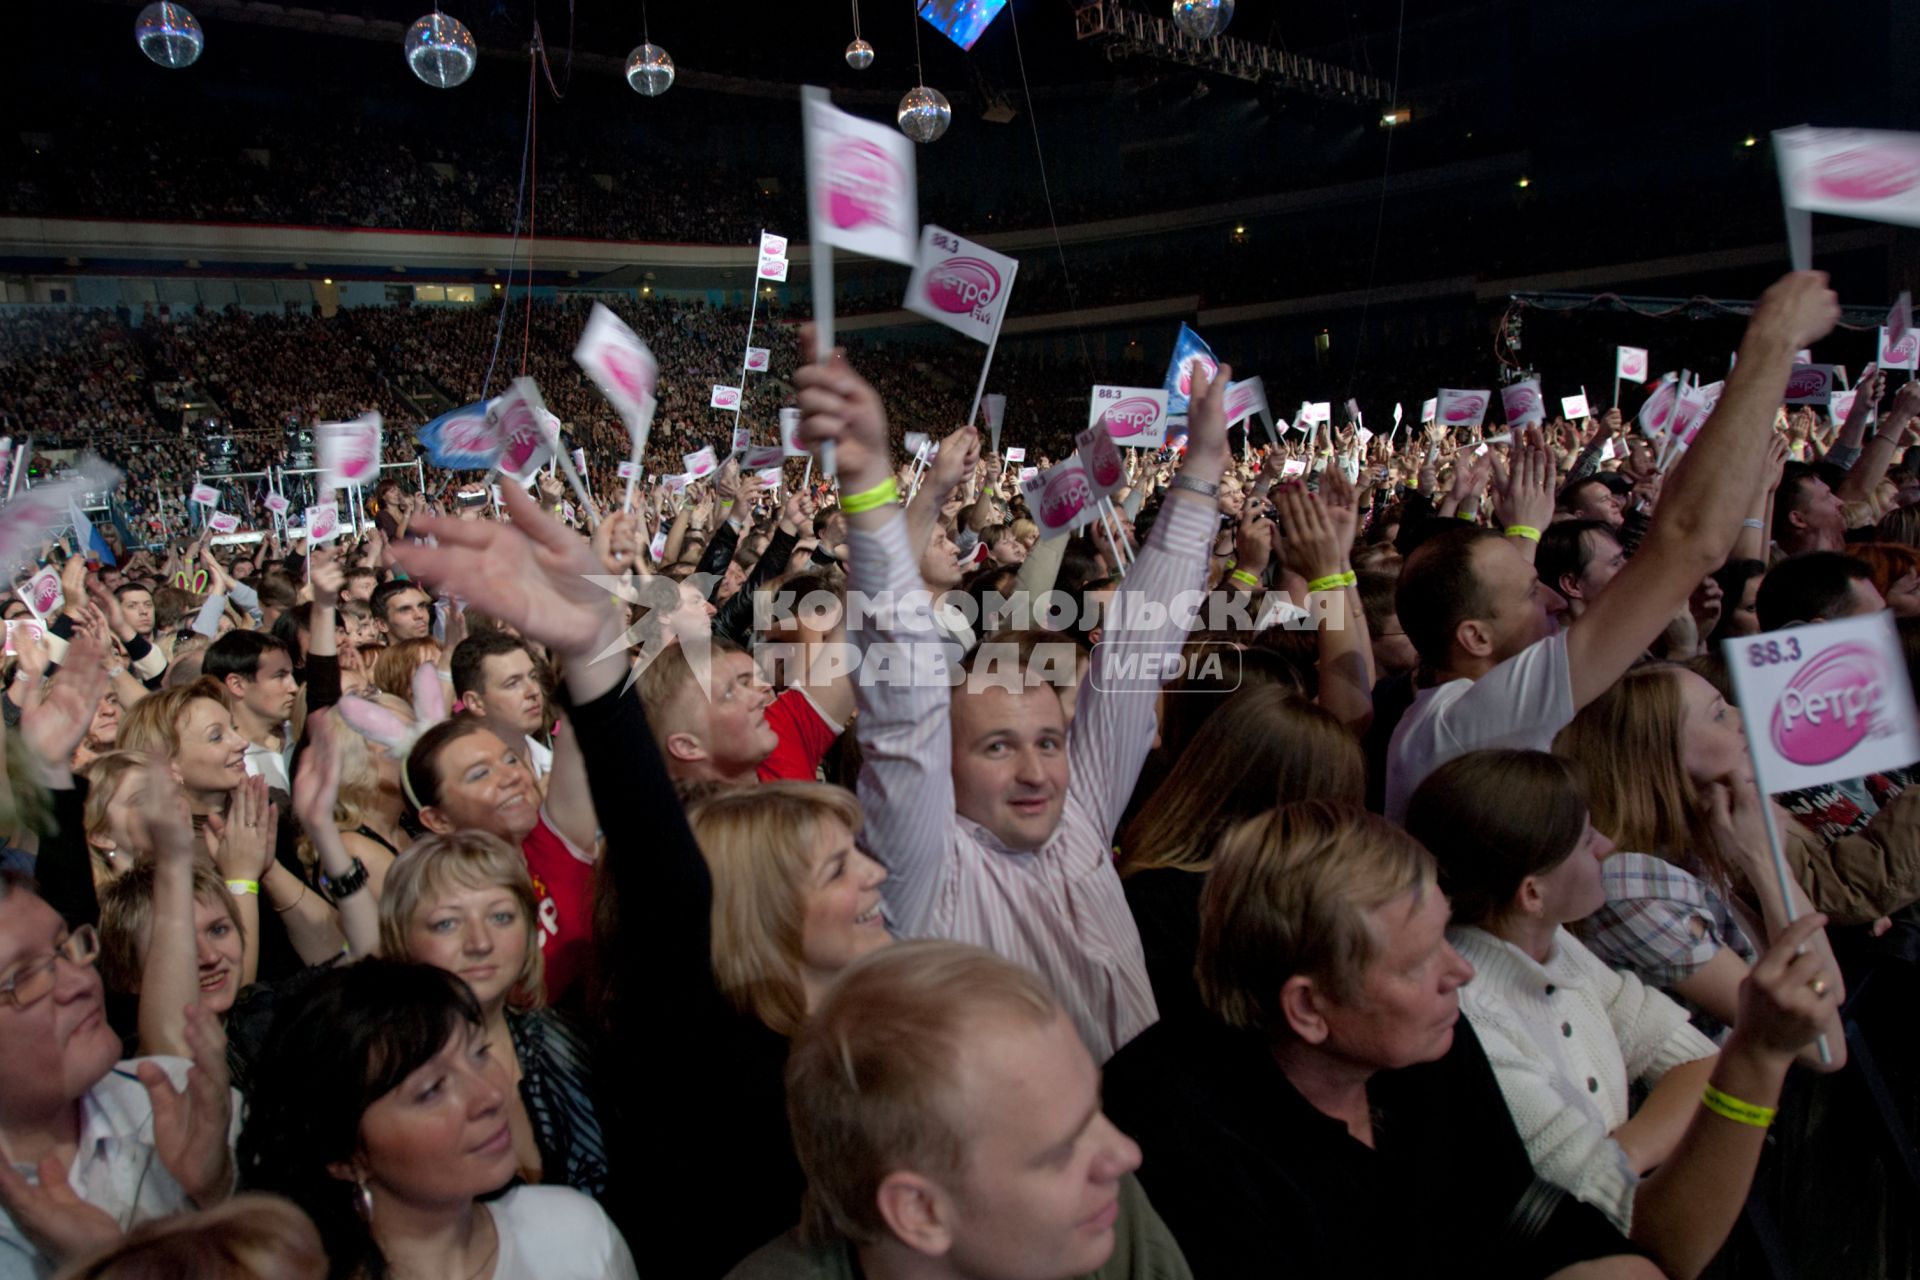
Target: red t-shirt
{"type": "Point", "coordinates": [563, 883]}
{"type": "Point", "coordinates": [805, 738]}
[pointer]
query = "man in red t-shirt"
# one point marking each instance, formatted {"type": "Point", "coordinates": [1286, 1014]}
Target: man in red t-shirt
{"type": "Point", "coordinates": [737, 730]}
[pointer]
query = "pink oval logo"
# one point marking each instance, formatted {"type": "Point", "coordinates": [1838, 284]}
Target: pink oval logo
{"type": "Point", "coordinates": [46, 593]}
{"type": "Point", "coordinates": [726, 399]}
{"type": "Point", "coordinates": [1105, 464]}
{"type": "Point", "coordinates": [959, 285]}
{"type": "Point", "coordinates": [629, 372]}
{"type": "Point", "coordinates": [1186, 372]}
{"type": "Point", "coordinates": [861, 180]}
{"type": "Point", "coordinates": [771, 268]}
{"type": "Point", "coordinates": [1828, 707]}
{"type": "Point", "coordinates": [1866, 173]}
{"type": "Point", "coordinates": [1806, 380]}
{"type": "Point", "coordinates": [1064, 496]}
{"type": "Point", "coordinates": [1634, 367]}
{"type": "Point", "coordinates": [1466, 409]}
{"type": "Point", "coordinates": [1521, 400]}
{"type": "Point", "coordinates": [468, 435]}
{"type": "Point", "coordinates": [1131, 417]}
{"type": "Point", "coordinates": [1903, 351]}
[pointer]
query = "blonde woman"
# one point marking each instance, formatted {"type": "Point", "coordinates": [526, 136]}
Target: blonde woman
{"type": "Point", "coordinates": [465, 903]}
{"type": "Point", "coordinates": [113, 794]}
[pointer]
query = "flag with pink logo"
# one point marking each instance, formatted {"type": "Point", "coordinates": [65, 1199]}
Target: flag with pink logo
{"type": "Point", "coordinates": [790, 433]}
{"type": "Point", "coordinates": [42, 593]}
{"type": "Point", "coordinates": [1190, 353]}
{"type": "Point", "coordinates": [528, 432]}
{"type": "Point", "coordinates": [727, 398]}
{"type": "Point", "coordinates": [224, 522]}
{"type": "Point", "coordinates": [1572, 407]}
{"type": "Point", "coordinates": [1246, 398]}
{"type": "Point", "coordinates": [772, 270]}
{"type": "Point", "coordinates": [323, 523]}
{"type": "Point", "coordinates": [205, 495]}
{"type": "Point", "coordinates": [960, 284]}
{"type": "Point", "coordinates": [627, 470]}
{"type": "Point", "coordinates": [860, 183]}
{"type": "Point", "coordinates": [1857, 173]}
{"type": "Point", "coordinates": [742, 437]}
{"type": "Point", "coordinates": [1656, 415]}
{"type": "Point", "coordinates": [1455, 408]}
{"type": "Point", "coordinates": [1101, 457]}
{"type": "Point", "coordinates": [348, 452]}
{"type": "Point", "coordinates": [1825, 702]}
{"type": "Point", "coordinates": [1136, 417]}
{"type": "Point", "coordinates": [1810, 384]}
{"type": "Point", "coordinates": [1061, 498]}
{"type": "Point", "coordinates": [700, 462]}
{"type": "Point", "coordinates": [622, 367]}
{"type": "Point", "coordinates": [276, 504]}
{"type": "Point", "coordinates": [1017, 454]}
{"type": "Point", "coordinates": [764, 457]}
{"type": "Point", "coordinates": [1630, 364]}
{"type": "Point", "coordinates": [1904, 354]}
{"type": "Point", "coordinates": [1522, 403]}
{"type": "Point", "coordinates": [757, 358]}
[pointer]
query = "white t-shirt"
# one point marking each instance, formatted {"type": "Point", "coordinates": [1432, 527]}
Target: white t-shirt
{"type": "Point", "coordinates": [557, 1233]}
{"type": "Point", "coordinates": [539, 759]}
{"type": "Point", "coordinates": [1521, 704]}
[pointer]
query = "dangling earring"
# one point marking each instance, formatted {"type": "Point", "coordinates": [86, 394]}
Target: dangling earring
{"type": "Point", "coordinates": [363, 1200]}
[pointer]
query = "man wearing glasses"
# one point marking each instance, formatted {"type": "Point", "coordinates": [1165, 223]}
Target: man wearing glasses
{"type": "Point", "coordinates": [93, 1146]}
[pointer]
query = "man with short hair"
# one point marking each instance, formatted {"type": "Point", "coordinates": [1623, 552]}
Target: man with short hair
{"type": "Point", "coordinates": [1333, 1076]}
{"type": "Point", "coordinates": [1818, 586]}
{"type": "Point", "coordinates": [1494, 671]}
{"type": "Point", "coordinates": [256, 669]}
{"type": "Point", "coordinates": [995, 824]}
{"type": "Point", "coordinates": [948, 1120]}
{"type": "Point", "coordinates": [715, 718]}
{"type": "Point", "coordinates": [402, 610]}
{"type": "Point", "coordinates": [1577, 558]}
{"type": "Point", "coordinates": [1591, 498]}
{"type": "Point", "coordinates": [360, 585]}
{"type": "Point", "coordinates": [1807, 515]}
{"type": "Point", "coordinates": [136, 603]}
{"type": "Point", "coordinates": [496, 680]}
{"type": "Point", "coordinates": [107, 1146]}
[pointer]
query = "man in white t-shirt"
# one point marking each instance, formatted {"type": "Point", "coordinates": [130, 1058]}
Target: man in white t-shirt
{"type": "Point", "coordinates": [1495, 668]}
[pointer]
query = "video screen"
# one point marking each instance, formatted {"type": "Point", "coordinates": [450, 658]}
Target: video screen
{"type": "Point", "coordinates": [961, 21]}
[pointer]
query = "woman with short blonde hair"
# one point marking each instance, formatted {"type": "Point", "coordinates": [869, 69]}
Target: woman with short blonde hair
{"type": "Point", "coordinates": [465, 902]}
{"type": "Point", "coordinates": [767, 848]}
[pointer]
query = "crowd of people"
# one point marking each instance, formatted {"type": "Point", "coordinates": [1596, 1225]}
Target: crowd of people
{"type": "Point", "coordinates": [846, 877]}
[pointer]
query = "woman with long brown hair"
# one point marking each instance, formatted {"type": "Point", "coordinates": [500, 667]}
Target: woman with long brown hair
{"type": "Point", "coordinates": [1260, 747]}
{"type": "Point", "coordinates": [1691, 893]}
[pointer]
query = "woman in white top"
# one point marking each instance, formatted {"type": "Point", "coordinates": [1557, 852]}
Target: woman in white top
{"type": "Point", "coordinates": [382, 1112]}
{"type": "Point", "coordinates": [1566, 1034]}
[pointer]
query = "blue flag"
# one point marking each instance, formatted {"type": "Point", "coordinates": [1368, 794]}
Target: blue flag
{"type": "Point", "coordinates": [462, 439]}
{"type": "Point", "coordinates": [1188, 350]}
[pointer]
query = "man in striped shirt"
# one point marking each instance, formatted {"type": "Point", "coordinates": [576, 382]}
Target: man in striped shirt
{"type": "Point", "coordinates": [996, 825]}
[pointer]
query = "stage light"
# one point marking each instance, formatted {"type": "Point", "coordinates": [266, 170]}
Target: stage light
{"type": "Point", "coordinates": [1524, 182]}
{"type": "Point", "coordinates": [1401, 116]}
{"type": "Point", "coordinates": [1750, 141]}
{"type": "Point", "coordinates": [327, 280]}
{"type": "Point", "coordinates": [1202, 19]}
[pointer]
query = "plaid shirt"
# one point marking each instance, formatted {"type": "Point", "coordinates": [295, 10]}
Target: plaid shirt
{"type": "Point", "coordinates": [1648, 923]}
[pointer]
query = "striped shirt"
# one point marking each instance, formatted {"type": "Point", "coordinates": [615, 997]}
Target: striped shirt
{"type": "Point", "coordinates": [1059, 909]}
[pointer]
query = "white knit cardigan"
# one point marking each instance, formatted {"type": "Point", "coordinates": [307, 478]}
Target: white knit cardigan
{"type": "Point", "coordinates": [1565, 1040]}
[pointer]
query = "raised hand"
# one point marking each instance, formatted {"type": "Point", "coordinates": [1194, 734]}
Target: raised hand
{"type": "Point", "coordinates": [56, 714]}
{"type": "Point", "coordinates": [1207, 452]}
{"type": "Point", "coordinates": [1797, 310]}
{"type": "Point", "coordinates": [532, 574]}
{"type": "Point", "coordinates": [1527, 496]}
{"type": "Point", "coordinates": [52, 1215]}
{"type": "Point", "coordinates": [246, 833]}
{"type": "Point", "coordinates": [1253, 541]}
{"type": "Point", "coordinates": [190, 1125]}
{"type": "Point", "coordinates": [1789, 995]}
{"type": "Point", "coordinates": [837, 404]}
{"type": "Point", "coordinates": [1310, 541]}
{"type": "Point", "coordinates": [316, 786]}
{"type": "Point", "coordinates": [957, 456]}
{"type": "Point", "coordinates": [328, 578]}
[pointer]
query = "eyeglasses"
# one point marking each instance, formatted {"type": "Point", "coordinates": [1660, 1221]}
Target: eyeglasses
{"type": "Point", "coordinates": [33, 982]}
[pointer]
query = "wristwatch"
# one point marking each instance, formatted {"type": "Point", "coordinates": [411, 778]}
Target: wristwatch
{"type": "Point", "coordinates": [1206, 488]}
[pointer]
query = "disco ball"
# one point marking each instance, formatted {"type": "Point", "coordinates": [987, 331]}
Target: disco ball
{"type": "Point", "coordinates": [441, 50]}
{"type": "Point", "coordinates": [859, 55]}
{"type": "Point", "coordinates": [650, 70]}
{"type": "Point", "coordinates": [924, 114]}
{"type": "Point", "coordinates": [169, 35]}
{"type": "Point", "coordinates": [1202, 19]}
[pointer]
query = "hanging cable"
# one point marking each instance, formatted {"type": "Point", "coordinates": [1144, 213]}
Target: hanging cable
{"type": "Point", "coordinates": [1046, 190]}
{"type": "Point", "coordinates": [533, 208]}
{"type": "Point", "coordinates": [1380, 215]}
{"type": "Point", "coordinates": [519, 203]}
